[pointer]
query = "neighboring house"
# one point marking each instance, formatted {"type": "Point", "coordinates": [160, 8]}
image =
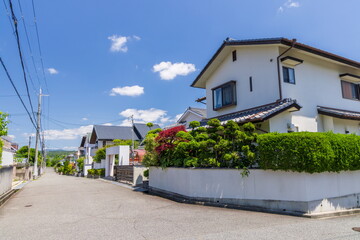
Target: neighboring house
{"type": "Point", "coordinates": [192, 114]}
{"type": "Point", "coordinates": [85, 151]}
{"type": "Point", "coordinates": [103, 135]}
{"type": "Point", "coordinates": [8, 151]}
{"type": "Point", "coordinates": [282, 86]}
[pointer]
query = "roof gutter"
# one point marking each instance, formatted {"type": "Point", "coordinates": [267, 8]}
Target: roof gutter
{"type": "Point", "coordinates": [278, 67]}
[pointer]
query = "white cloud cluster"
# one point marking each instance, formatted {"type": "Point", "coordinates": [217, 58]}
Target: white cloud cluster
{"type": "Point", "coordinates": [52, 71]}
{"type": "Point", "coordinates": [84, 119]}
{"type": "Point", "coordinates": [289, 4]}
{"type": "Point", "coordinates": [144, 116]}
{"type": "Point", "coordinates": [132, 91]}
{"type": "Point", "coordinates": [67, 134]}
{"type": "Point", "coordinates": [169, 71]}
{"type": "Point", "coordinates": [118, 43]}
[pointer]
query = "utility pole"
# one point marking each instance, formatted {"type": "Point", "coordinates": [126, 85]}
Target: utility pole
{"type": "Point", "coordinates": [28, 161]}
{"type": "Point", "coordinates": [132, 138]}
{"type": "Point", "coordinates": [37, 135]}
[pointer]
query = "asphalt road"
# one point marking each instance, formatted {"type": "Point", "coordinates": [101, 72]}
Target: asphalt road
{"type": "Point", "coordinates": [64, 207]}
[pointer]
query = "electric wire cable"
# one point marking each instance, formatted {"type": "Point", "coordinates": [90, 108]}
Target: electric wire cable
{"type": "Point", "coordinates": [39, 45]}
{"type": "Point", "coordinates": [20, 54]}
{"type": "Point", "coordinates": [17, 92]}
{"type": "Point", "coordinates": [28, 42]}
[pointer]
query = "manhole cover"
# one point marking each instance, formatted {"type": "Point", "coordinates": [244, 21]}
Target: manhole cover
{"type": "Point", "coordinates": [357, 229]}
{"type": "Point", "coordinates": [28, 205]}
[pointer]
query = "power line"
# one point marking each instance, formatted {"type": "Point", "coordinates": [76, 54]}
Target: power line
{"type": "Point", "coordinates": [28, 42]}
{"type": "Point", "coordinates": [38, 41]}
{"type": "Point", "coordinates": [17, 92]}
{"type": "Point", "coordinates": [8, 14]}
{"type": "Point", "coordinates": [20, 54]}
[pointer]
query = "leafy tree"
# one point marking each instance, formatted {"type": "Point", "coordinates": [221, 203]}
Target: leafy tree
{"type": "Point", "coordinates": [149, 125]}
{"type": "Point", "coordinates": [100, 154]}
{"type": "Point", "coordinates": [3, 123]}
{"type": "Point", "coordinates": [80, 163]}
{"type": "Point", "coordinates": [23, 153]}
{"type": "Point", "coordinates": [229, 146]}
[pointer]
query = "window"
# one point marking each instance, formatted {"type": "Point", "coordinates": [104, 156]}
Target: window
{"type": "Point", "coordinates": [224, 95]}
{"type": "Point", "coordinates": [350, 90]}
{"type": "Point", "coordinates": [289, 75]}
{"type": "Point", "coordinates": [234, 55]}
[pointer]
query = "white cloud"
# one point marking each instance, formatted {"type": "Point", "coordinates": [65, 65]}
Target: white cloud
{"type": "Point", "coordinates": [133, 91]}
{"type": "Point", "coordinates": [169, 71]}
{"type": "Point", "coordinates": [11, 136]}
{"type": "Point", "coordinates": [107, 124]}
{"type": "Point", "coordinates": [65, 134]}
{"type": "Point", "coordinates": [137, 38]}
{"type": "Point", "coordinates": [52, 71]}
{"type": "Point", "coordinates": [84, 119]}
{"type": "Point", "coordinates": [149, 115]}
{"type": "Point", "coordinates": [118, 43]}
{"type": "Point", "coordinates": [288, 4]}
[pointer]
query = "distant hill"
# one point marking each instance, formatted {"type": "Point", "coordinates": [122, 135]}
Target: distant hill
{"type": "Point", "coordinates": [57, 153]}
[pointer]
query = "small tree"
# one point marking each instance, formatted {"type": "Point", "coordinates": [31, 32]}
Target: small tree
{"type": "Point", "coordinates": [150, 125]}
{"type": "Point", "coordinates": [4, 123]}
{"type": "Point", "coordinates": [100, 154]}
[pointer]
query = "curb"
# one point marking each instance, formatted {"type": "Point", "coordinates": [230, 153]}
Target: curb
{"type": "Point", "coordinates": [6, 196]}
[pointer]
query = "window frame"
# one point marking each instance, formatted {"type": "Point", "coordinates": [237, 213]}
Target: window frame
{"type": "Point", "coordinates": [357, 86]}
{"type": "Point", "coordinates": [222, 87]}
{"type": "Point", "coordinates": [293, 70]}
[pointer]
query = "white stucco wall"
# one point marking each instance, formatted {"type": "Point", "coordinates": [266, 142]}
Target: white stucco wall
{"type": "Point", "coordinates": [189, 117]}
{"type": "Point", "coordinates": [7, 158]}
{"type": "Point", "coordinates": [259, 185]}
{"type": "Point", "coordinates": [252, 61]}
{"type": "Point", "coordinates": [318, 84]}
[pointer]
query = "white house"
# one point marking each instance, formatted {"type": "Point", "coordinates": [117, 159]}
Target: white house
{"type": "Point", "coordinates": [8, 151]}
{"type": "Point", "coordinates": [282, 86]}
{"type": "Point", "coordinates": [191, 114]}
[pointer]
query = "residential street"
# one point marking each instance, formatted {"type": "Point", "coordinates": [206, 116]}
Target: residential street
{"type": "Point", "coordinates": [64, 207]}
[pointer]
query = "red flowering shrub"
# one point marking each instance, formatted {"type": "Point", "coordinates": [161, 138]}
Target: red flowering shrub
{"type": "Point", "coordinates": [167, 138]}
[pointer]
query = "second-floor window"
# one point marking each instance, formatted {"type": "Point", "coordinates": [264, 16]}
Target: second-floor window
{"type": "Point", "coordinates": [224, 95]}
{"type": "Point", "coordinates": [289, 75]}
{"type": "Point", "coordinates": [350, 90]}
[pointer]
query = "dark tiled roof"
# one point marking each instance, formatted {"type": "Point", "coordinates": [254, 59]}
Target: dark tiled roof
{"type": "Point", "coordinates": [200, 111]}
{"type": "Point", "coordinates": [260, 113]}
{"type": "Point", "coordinates": [339, 113]}
{"type": "Point", "coordinates": [141, 129]}
{"type": "Point", "coordinates": [104, 132]}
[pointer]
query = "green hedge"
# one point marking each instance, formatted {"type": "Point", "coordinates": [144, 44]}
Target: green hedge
{"type": "Point", "coordinates": [309, 152]}
{"type": "Point", "coordinates": [99, 172]}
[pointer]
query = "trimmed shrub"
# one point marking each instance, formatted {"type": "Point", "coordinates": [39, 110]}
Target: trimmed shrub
{"type": "Point", "coordinates": [309, 152]}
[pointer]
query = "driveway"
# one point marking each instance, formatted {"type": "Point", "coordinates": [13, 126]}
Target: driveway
{"type": "Point", "coordinates": [64, 207]}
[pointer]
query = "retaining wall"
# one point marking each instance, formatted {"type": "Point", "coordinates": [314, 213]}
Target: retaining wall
{"type": "Point", "coordinates": [269, 190]}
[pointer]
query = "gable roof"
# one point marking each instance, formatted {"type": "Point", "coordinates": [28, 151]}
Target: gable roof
{"type": "Point", "coordinates": [339, 113]}
{"type": "Point", "coordinates": [110, 133]}
{"type": "Point", "coordinates": [141, 129]}
{"type": "Point", "coordinates": [200, 112]}
{"type": "Point", "coordinates": [258, 114]}
{"type": "Point", "coordinates": [104, 132]}
{"type": "Point", "coordinates": [268, 41]}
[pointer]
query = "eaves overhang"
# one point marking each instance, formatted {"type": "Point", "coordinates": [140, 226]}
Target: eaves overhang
{"type": "Point", "coordinates": [268, 41]}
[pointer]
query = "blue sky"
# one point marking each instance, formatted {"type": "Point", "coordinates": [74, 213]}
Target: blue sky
{"type": "Point", "coordinates": [93, 49]}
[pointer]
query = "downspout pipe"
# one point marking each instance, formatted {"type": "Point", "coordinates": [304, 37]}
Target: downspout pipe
{"type": "Point", "coordinates": [278, 67]}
